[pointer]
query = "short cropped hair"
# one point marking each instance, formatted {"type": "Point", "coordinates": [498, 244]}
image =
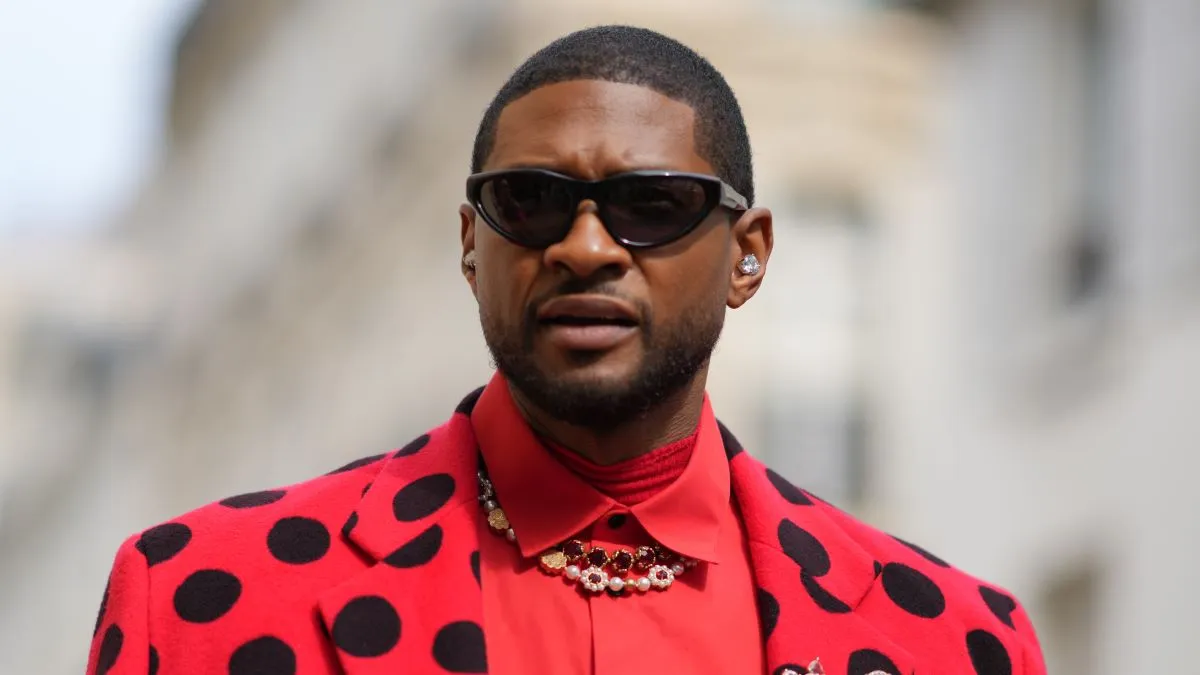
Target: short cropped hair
{"type": "Point", "coordinates": [642, 57]}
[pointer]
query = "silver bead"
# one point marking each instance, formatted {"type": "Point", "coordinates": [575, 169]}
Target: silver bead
{"type": "Point", "coordinates": [510, 535]}
{"type": "Point", "coordinates": [490, 505]}
{"type": "Point", "coordinates": [678, 569]}
{"type": "Point", "coordinates": [572, 572]}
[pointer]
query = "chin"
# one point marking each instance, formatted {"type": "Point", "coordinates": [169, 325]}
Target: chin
{"type": "Point", "coordinates": [602, 369]}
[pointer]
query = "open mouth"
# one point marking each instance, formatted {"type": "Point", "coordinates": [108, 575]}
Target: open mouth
{"type": "Point", "coordinates": [567, 320]}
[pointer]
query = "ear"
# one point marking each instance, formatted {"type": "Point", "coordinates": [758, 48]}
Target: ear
{"type": "Point", "coordinates": [467, 215]}
{"type": "Point", "coordinates": [752, 234]}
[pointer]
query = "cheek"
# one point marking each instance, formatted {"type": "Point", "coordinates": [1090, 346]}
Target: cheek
{"type": "Point", "coordinates": [687, 286]}
{"type": "Point", "coordinates": [503, 284]}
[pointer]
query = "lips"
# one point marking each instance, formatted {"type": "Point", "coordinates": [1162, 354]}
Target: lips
{"type": "Point", "coordinates": [587, 323]}
{"type": "Point", "coordinates": [587, 311]}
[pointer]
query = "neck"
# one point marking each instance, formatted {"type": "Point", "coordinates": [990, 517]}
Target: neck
{"type": "Point", "coordinates": [675, 418]}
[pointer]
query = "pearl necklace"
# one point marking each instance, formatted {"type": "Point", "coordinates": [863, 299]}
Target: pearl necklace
{"type": "Point", "coordinates": [593, 567]}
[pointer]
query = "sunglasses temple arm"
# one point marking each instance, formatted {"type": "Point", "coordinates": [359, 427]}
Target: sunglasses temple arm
{"type": "Point", "coordinates": [731, 199]}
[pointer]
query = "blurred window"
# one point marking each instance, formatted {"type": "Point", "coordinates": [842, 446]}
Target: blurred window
{"type": "Point", "coordinates": [1088, 132]}
{"type": "Point", "coordinates": [815, 420]}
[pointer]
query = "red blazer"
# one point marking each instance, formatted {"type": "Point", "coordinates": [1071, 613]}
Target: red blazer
{"type": "Point", "coordinates": [374, 568]}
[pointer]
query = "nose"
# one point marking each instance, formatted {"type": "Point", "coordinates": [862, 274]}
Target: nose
{"type": "Point", "coordinates": [588, 248]}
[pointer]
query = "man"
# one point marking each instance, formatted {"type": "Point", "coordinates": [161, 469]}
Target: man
{"type": "Point", "coordinates": [584, 512]}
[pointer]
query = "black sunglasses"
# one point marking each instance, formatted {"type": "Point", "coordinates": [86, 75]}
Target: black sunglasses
{"type": "Point", "coordinates": [640, 209]}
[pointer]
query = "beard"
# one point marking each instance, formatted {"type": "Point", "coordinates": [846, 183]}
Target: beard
{"type": "Point", "coordinates": [672, 355]}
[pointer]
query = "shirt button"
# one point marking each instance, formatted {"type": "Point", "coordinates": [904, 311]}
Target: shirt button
{"type": "Point", "coordinates": [616, 521]}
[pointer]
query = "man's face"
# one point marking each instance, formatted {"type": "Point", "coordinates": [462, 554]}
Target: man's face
{"type": "Point", "coordinates": [596, 374]}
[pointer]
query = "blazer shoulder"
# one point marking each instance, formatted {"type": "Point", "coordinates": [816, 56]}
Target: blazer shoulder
{"type": "Point", "coordinates": [907, 568]}
{"type": "Point", "coordinates": [331, 494]}
{"type": "Point", "coordinates": [310, 513]}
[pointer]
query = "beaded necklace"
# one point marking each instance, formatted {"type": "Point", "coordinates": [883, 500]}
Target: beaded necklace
{"type": "Point", "coordinates": [593, 567]}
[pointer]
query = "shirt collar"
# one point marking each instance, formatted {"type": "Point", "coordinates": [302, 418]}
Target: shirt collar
{"type": "Point", "coordinates": [547, 503]}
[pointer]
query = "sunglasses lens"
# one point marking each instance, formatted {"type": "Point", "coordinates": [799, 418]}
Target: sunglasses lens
{"type": "Point", "coordinates": [532, 208]}
{"type": "Point", "coordinates": [651, 210]}
{"type": "Point", "coordinates": [536, 209]}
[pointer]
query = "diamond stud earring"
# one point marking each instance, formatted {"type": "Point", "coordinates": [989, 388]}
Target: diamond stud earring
{"type": "Point", "coordinates": [469, 260]}
{"type": "Point", "coordinates": [749, 265]}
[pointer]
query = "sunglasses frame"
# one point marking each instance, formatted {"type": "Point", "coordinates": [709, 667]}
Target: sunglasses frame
{"type": "Point", "coordinates": [717, 193]}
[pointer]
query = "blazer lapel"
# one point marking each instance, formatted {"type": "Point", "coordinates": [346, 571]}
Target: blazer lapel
{"type": "Point", "coordinates": [417, 607]}
{"type": "Point", "coordinates": [812, 577]}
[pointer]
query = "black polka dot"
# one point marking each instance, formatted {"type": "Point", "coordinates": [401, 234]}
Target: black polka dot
{"type": "Point", "coordinates": [824, 599]}
{"type": "Point", "coordinates": [422, 497]}
{"type": "Point", "coordinates": [768, 612]}
{"type": "Point", "coordinates": [414, 446]}
{"type": "Point", "coordinates": [252, 499]}
{"type": "Point", "coordinates": [1001, 605]}
{"type": "Point", "coordinates": [923, 553]}
{"type": "Point", "coordinates": [163, 542]}
{"type": "Point", "coordinates": [297, 540]}
{"type": "Point", "coordinates": [912, 591]}
{"type": "Point", "coordinates": [110, 649]}
{"type": "Point", "coordinates": [206, 595]}
{"type": "Point", "coordinates": [866, 661]}
{"type": "Point", "coordinates": [475, 567]}
{"type": "Point", "coordinates": [803, 548]}
{"type": "Point", "coordinates": [348, 526]}
{"type": "Point", "coordinates": [878, 568]}
{"type": "Point", "coordinates": [789, 666]}
{"type": "Point", "coordinates": [788, 491]}
{"type": "Point", "coordinates": [467, 405]}
{"type": "Point", "coordinates": [103, 606]}
{"type": "Point", "coordinates": [419, 551]}
{"type": "Point", "coordinates": [365, 488]}
{"type": "Point", "coordinates": [733, 448]}
{"type": "Point", "coordinates": [266, 655]}
{"type": "Point", "coordinates": [366, 626]}
{"type": "Point", "coordinates": [153, 660]}
{"type": "Point", "coordinates": [356, 464]}
{"type": "Point", "coordinates": [988, 655]}
{"type": "Point", "coordinates": [617, 520]}
{"type": "Point", "coordinates": [459, 648]}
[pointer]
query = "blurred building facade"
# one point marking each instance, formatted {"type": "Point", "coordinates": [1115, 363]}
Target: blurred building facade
{"type": "Point", "coordinates": [980, 328]}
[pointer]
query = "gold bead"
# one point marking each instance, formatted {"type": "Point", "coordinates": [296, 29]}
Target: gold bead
{"type": "Point", "coordinates": [498, 520]}
{"type": "Point", "coordinates": [554, 561]}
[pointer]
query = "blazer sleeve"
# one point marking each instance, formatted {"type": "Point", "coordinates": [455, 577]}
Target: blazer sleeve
{"type": "Point", "coordinates": [121, 642]}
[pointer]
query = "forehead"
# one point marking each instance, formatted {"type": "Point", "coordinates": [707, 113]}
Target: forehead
{"type": "Point", "coordinates": [592, 128]}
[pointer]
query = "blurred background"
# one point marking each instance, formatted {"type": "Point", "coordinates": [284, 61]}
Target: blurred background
{"type": "Point", "coordinates": [229, 259]}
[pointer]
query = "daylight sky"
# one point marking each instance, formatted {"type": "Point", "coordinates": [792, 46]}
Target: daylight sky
{"type": "Point", "coordinates": [81, 104]}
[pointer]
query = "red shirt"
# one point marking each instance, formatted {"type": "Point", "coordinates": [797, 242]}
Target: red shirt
{"type": "Point", "coordinates": [707, 622]}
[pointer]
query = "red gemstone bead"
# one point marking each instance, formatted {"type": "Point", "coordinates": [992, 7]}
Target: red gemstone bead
{"type": "Point", "coordinates": [666, 557]}
{"type": "Point", "coordinates": [662, 575]}
{"type": "Point", "coordinates": [595, 578]}
{"type": "Point", "coordinates": [574, 550]}
{"type": "Point", "coordinates": [622, 561]}
{"type": "Point", "coordinates": [644, 559]}
{"type": "Point", "coordinates": [597, 557]}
